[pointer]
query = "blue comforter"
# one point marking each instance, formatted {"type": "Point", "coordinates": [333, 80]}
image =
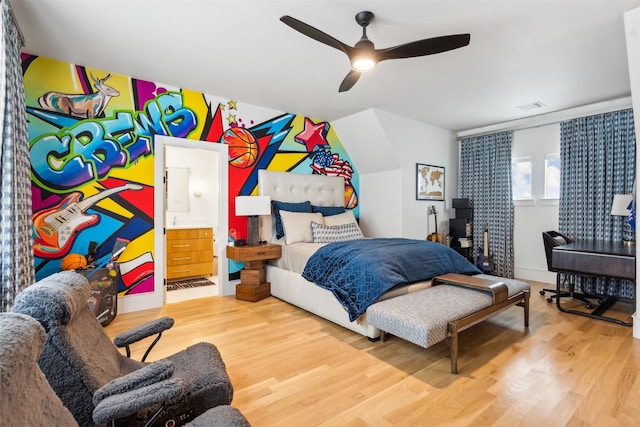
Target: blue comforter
{"type": "Point", "coordinates": [358, 272]}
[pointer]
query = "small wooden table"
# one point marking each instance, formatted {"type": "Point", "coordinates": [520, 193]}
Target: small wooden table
{"type": "Point", "coordinates": [498, 290]}
{"type": "Point", "coordinates": [253, 277]}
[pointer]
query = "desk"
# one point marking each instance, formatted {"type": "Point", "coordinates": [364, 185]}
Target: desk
{"type": "Point", "coordinates": [595, 258]}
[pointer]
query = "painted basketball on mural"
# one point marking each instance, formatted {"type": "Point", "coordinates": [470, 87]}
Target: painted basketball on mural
{"type": "Point", "coordinates": [73, 262]}
{"type": "Point", "coordinates": [243, 148]}
{"type": "Point", "coordinates": [350, 197]}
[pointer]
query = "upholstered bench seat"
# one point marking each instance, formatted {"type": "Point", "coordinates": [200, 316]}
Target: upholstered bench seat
{"type": "Point", "coordinates": [452, 304]}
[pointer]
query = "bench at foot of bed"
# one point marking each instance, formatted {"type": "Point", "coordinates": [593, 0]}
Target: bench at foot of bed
{"type": "Point", "coordinates": [455, 303]}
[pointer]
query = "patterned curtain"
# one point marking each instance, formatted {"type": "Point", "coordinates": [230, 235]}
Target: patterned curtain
{"type": "Point", "coordinates": [597, 154]}
{"type": "Point", "coordinates": [16, 248]}
{"type": "Point", "coordinates": [485, 178]}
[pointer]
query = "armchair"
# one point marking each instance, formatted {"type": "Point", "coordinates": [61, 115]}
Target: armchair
{"type": "Point", "coordinates": [78, 357]}
{"type": "Point", "coordinates": [27, 399]}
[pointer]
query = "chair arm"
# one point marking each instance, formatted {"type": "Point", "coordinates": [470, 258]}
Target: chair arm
{"type": "Point", "coordinates": [141, 332]}
{"type": "Point", "coordinates": [145, 376]}
{"type": "Point", "coordinates": [145, 330]}
{"type": "Point", "coordinates": [125, 404]}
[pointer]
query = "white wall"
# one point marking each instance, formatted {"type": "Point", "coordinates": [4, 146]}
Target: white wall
{"type": "Point", "coordinates": [532, 217]}
{"type": "Point", "coordinates": [388, 192]}
{"type": "Point", "coordinates": [632, 34]}
{"type": "Point", "coordinates": [381, 206]}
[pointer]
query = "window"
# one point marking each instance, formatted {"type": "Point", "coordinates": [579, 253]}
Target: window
{"type": "Point", "coordinates": [521, 178]}
{"type": "Point", "coordinates": [552, 176]}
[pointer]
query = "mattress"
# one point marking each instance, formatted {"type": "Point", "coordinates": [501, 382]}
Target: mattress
{"type": "Point", "coordinates": [295, 255]}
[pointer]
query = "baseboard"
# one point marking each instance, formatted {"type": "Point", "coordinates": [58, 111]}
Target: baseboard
{"type": "Point", "coordinates": [535, 274]}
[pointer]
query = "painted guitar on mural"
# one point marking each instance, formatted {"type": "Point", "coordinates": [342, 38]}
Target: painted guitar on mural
{"type": "Point", "coordinates": [55, 228]}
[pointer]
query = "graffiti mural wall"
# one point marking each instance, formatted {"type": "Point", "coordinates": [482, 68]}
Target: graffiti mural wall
{"type": "Point", "coordinates": [91, 139]}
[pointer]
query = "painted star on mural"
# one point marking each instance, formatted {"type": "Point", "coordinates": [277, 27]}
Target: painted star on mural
{"type": "Point", "coordinates": [314, 135]}
{"type": "Point", "coordinates": [233, 104]}
{"type": "Point", "coordinates": [231, 119]}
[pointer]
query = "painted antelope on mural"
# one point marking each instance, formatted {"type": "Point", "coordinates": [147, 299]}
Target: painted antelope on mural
{"type": "Point", "coordinates": [86, 106]}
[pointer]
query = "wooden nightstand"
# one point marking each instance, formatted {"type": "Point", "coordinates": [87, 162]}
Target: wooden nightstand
{"type": "Point", "coordinates": [253, 285]}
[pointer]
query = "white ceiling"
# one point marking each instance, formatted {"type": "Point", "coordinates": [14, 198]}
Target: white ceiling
{"type": "Point", "coordinates": [563, 53]}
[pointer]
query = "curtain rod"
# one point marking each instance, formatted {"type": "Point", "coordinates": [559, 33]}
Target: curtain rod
{"type": "Point", "coordinates": [15, 22]}
{"type": "Point", "coordinates": [550, 118]}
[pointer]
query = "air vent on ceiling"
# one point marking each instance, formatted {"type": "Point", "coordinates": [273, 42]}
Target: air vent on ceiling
{"type": "Point", "coordinates": [532, 106]}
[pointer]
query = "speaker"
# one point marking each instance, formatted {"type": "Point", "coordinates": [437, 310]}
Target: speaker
{"type": "Point", "coordinates": [461, 203]}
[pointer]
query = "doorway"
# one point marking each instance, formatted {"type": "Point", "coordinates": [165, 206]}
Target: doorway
{"type": "Point", "coordinates": [204, 199]}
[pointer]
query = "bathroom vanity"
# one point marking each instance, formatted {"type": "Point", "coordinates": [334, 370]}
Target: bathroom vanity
{"type": "Point", "coordinates": [189, 252]}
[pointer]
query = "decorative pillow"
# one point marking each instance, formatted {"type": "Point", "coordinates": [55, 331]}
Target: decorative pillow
{"type": "Point", "coordinates": [341, 219]}
{"type": "Point", "coordinates": [335, 233]}
{"type": "Point", "coordinates": [289, 207]}
{"type": "Point", "coordinates": [297, 226]}
{"type": "Point", "coordinates": [328, 210]}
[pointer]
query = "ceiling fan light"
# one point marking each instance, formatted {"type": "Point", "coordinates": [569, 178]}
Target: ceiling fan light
{"type": "Point", "coordinates": [363, 63]}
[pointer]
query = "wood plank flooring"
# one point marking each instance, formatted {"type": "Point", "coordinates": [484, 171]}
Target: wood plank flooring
{"type": "Point", "coordinates": [291, 368]}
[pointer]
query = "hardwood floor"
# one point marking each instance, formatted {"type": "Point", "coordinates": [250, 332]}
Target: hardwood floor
{"type": "Point", "coordinates": [291, 368]}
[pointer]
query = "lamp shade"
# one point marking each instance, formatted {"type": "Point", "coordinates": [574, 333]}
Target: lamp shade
{"type": "Point", "coordinates": [620, 205]}
{"type": "Point", "coordinates": [253, 205]}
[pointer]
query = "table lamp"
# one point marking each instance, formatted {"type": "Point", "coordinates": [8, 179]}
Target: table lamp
{"type": "Point", "coordinates": [620, 207]}
{"type": "Point", "coordinates": [252, 206]}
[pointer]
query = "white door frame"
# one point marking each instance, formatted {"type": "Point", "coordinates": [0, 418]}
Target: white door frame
{"type": "Point", "coordinates": [156, 298]}
{"type": "Point", "coordinates": [221, 233]}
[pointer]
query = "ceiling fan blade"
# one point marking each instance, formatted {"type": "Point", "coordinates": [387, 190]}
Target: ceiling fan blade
{"type": "Point", "coordinates": [425, 47]}
{"type": "Point", "coordinates": [349, 81]}
{"type": "Point", "coordinates": [315, 34]}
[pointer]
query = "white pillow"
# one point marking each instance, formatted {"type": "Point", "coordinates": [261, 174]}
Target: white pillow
{"type": "Point", "coordinates": [335, 233]}
{"type": "Point", "coordinates": [297, 225]}
{"type": "Point", "coordinates": [340, 219]}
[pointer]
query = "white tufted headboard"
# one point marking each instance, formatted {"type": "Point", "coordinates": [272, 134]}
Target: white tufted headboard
{"type": "Point", "coordinates": [320, 190]}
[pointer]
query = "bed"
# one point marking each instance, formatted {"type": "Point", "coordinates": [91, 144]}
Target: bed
{"type": "Point", "coordinates": [285, 274]}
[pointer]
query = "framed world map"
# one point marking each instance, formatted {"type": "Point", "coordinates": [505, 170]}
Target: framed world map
{"type": "Point", "coordinates": [429, 182]}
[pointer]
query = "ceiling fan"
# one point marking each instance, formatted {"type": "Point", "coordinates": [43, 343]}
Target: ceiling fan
{"type": "Point", "coordinates": [363, 56]}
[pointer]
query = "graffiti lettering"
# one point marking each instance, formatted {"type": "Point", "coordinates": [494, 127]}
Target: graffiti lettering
{"type": "Point", "coordinates": [57, 168]}
{"type": "Point", "coordinates": [93, 148]}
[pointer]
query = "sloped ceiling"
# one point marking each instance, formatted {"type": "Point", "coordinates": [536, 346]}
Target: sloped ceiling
{"type": "Point", "coordinates": [563, 53]}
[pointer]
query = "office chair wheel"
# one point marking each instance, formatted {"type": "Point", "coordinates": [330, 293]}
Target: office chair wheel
{"type": "Point", "coordinates": [549, 299]}
{"type": "Point", "coordinates": [542, 292]}
{"type": "Point", "coordinates": [588, 306]}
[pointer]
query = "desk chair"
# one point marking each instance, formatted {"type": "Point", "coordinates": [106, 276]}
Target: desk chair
{"type": "Point", "coordinates": [552, 239]}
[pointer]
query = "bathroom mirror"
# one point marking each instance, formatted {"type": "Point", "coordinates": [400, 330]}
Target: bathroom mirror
{"type": "Point", "coordinates": [178, 189]}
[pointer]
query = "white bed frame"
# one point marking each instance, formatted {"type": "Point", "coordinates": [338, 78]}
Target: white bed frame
{"type": "Point", "coordinates": [291, 287]}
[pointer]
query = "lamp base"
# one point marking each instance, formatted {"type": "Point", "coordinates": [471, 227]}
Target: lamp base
{"type": "Point", "coordinates": [628, 234]}
{"type": "Point", "coordinates": [253, 230]}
